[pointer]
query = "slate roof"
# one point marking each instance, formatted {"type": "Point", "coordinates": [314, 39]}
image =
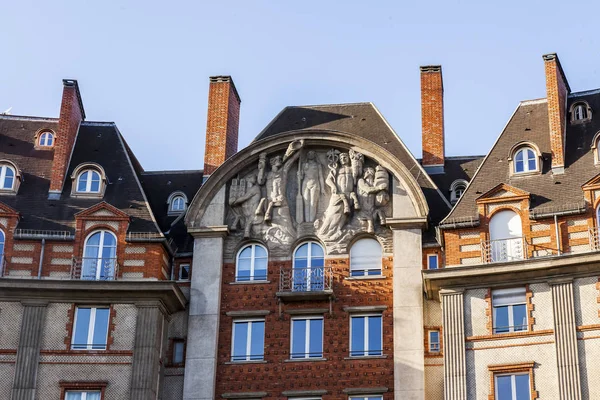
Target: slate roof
{"type": "Point", "coordinates": [364, 120]}
{"type": "Point", "coordinates": [549, 193]}
{"type": "Point", "coordinates": [96, 142]}
{"type": "Point", "coordinates": [159, 185]}
{"type": "Point", "coordinates": [456, 168]}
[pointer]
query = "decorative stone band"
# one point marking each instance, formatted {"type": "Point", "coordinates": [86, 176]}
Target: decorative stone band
{"type": "Point", "coordinates": [361, 309]}
{"type": "Point", "coordinates": [366, 390]}
{"type": "Point", "coordinates": [209, 231]}
{"type": "Point", "coordinates": [248, 313]}
{"type": "Point", "coordinates": [244, 395]}
{"type": "Point", "coordinates": [296, 393]}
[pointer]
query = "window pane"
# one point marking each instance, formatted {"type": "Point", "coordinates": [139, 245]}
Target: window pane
{"type": "Point", "coordinates": [260, 252]}
{"type": "Point", "coordinates": [82, 324]}
{"type": "Point", "coordinates": [508, 296]}
{"type": "Point", "coordinates": [95, 185]}
{"type": "Point", "coordinates": [520, 317]}
{"type": "Point", "coordinates": [357, 346]}
{"type": "Point", "coordinates": [302, 251]}
{"type": "Point", "coordinates": [240, 340]}
{"type": "Point", "coordinates": [522, 387]}
{"type": "Point", "coordinates": [177, 352]}
{"type": "Point", "coordinates": [316, 250]}
{"type": "Point", "coordinates": [365, 254]}
{"type": "Point", "coordinates": [503, 387]}
{"type": "Point", "coordinates": [73, 396]}
{"type": "Point", "coordinates": [243, 269]}
{"type": "Point", "coordinates": [81, 187]}
{"type": "Point", "coordinates": [316, 338]}
{"type": "Point", "coordinates": [93, 396]}
{"type": "Point", "coordinates": [185, 272]}
{"type": "Point", "coordinates": [375, 348]}
{"type": "Point", "coordinates": [531, 160]}
{"type": "Point", "coordinates": [298, 338]}
{"type": "Point", "coordinates": [101, 328]}
{"type": "Point", "coordinates": [433, 262]}
{"type": "Point", "coordinates": [246, 253]}
{"type": "Point", "coordinates": [434, 341]}
{"type": "Point", "coordinates": [501, 324]}
{"type": "Point", "coordinates": [257, 347]}
{"type": "Point", "coordinates": [260, 269]}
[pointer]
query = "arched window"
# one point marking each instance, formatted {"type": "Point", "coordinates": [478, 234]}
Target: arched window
{"type": "Point", "coordinates": [177, 203]}
{"type": "Point", "coordinates": [7, 177]}
{"type": "Point", "coordinates": [525, 160]}
{"type": "Point", "coordinates": [457, 189]}
{"type": "Point", "coordinates": [506, 237]}
{"type": "Point", "coordinates": [89, 181]}
{"type": "Point", "coordinates": [365, 258]}
{"type": "Point", "coordinates": [580, 112]}
{"type": "Point", "coordinates": [99, 256]}
{"type": "Point", "coordinates": [251, 264]}
{"type": "Point", "coordinates": [308, 273]}
{"type": "Point", "coordinates": [46, 139]}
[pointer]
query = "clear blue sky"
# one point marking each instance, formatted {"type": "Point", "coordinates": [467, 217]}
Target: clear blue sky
{"type": "Point", "coordinates": [145, 64]}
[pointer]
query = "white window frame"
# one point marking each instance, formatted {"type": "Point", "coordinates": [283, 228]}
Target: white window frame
{"type": "Point", "coordinates": [99, 258]}
{"type": "Point", "coordinates": [181, 267]}
{"type": "Point", "coordinates": [437, 261]}
{"type": "Point", "coordinates": [88, 183]}
{"type": "Point", "coordinates": [91, 326]}
{"type": "Point", "coordinates": [430, 342]}
{"type": "Point", "coordinates": [511, 320]}
{"type": "Point", "coordinates": [84, 393]}
{"type": "Point", "coordinates": [44, 137]}
{"type": "Point", "coordinates": [526, 169]}
{"type": "Point", "coordinates": [378, 266]}
{"type": "Point", "coordinates": [251, 278]}
{"type": "Point", "coordinates": [307, 336]}
{"type": "Point", "coordinates": [513, 384]}
{"type": "Point", "coordinates": [366, 349]}
{"type": "Point", "coordinates": [369, 397]}
{"type": "Point", "coordinates": [3, 169]}
{"type": "Point", "coordinates": [307, 285]}
{"type": "Point", "coordinates": [459, 183]}
{"type": "Point", "coordinates": [248, 356]}
{"type": "Point", "coordinates": [175, 201]}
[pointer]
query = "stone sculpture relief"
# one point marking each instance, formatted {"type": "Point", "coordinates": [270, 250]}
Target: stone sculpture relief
{"type": "Point", "coordinates": [352, 197]}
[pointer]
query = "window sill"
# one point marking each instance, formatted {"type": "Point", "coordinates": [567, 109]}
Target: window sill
{"type": "Point", "coordinates": [8, 192]}
{"type": "Point", "coordinates": [249, 282]}
{"type": "Point", "coordinates": [358, 278]}
{"type": "Point", "coordinates": [86, 195]}
{"type": "Point", "coordinates": [366, 357]}
{"type": "Point", "coordinates": [291, 360]}
{"type": "Point", "coordinates": [246, 362]}
{"type": "Point", "coordinates": [510, 335]}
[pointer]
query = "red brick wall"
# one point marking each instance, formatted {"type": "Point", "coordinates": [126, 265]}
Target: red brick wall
{"type": "Point", "coordinates": [432, 115]}
{"type": "Point", "coordinates": [222, 123]}
{"type": "Point", "coordinates": [333, 375]}
{"type": "Point", "coordinates": [556, 90]}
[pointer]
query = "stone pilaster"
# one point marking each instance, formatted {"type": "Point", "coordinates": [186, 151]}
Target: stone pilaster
{"type": "Point", "coordinates": [28, 352]}
{"type": "Point", "coordinates": [565, 336]}
{"type": "Point", "coordinates": [455, 368]}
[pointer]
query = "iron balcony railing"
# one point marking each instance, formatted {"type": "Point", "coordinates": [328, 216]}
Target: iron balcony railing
{"type": "Point", "coordinates": [503, 250]}
{"type": "Point", "coordinates": [315, 279]}
{"type": "Point", "coordinates": [94, 269]}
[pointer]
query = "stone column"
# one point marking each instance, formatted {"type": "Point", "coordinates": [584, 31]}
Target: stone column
{"type": "Point", "coordinates": [409, 365]}
{"type": "Point", "coordinates": [147, 351]}
{"type": "Point", "coordinates": [565, 336]}
{"type": "Point", "coordinates": [455, 368]}
{"type": "Point", "coordinates": [28, 352]}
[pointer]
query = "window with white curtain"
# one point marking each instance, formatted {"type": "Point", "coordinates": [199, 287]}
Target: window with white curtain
{"type": "Point", "coordinates": [365, 257]}
{"type": "Point", "coordinates": [509, 310]}
{"type": "Point", "coordinates": [87, 395]}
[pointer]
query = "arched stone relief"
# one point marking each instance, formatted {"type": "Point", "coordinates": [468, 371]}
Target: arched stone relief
{"type": "Point", "coordinates": [329, 193]}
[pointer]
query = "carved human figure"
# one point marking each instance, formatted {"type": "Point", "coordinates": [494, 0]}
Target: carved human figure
{"type": "Point", "coordinates": [248, 202]}
{"type": "Point", "coordinates": [313, 185]}
{"type": "Point", "coordinates": [341, 181]}
{"type": "Point", "coordinates": [368, 189]}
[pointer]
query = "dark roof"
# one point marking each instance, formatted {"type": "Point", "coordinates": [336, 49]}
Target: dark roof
{"type": "Point", "coordinates": [549, 193]}
{"type": "Point", "coordinates": [456, 168]}
{"type": "Point", "coordinates": [96, 142]}
{"type": "Point", "coordinates": [159, 185]}
{"type": "Point", "coordinates": [364, 120]}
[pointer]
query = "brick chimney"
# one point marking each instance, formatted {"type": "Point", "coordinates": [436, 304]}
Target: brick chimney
{"type": "Point", "coordinates": [222, 123]}
{"type": "Point", "coordinates": [432, 119]}
{"type": "Point", "coordinates": [71, 115]}
{"type": "Point", "coordinates": [557, 90]}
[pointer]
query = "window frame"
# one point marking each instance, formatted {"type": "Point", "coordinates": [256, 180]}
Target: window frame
{"type": "Point", "coordinates": [437, 261]}
{"type": "Point", "coordinates": [430, 348]}
{"type": "Point", "coordinates": [459, 183]}
{"type": "Point", "coordinates": [366, 336]}
{"type": "Point", "coordinates": [2, 244]}
{"type": "Point", "coordinates": [306, 284]}
{"type": "Point", "coordinates": [82, 386]}
{"type": "Point", "coordinates": [181, 268]}
{"type": "Point", "coordinates": [252, 277]}
{"type": "Point", "coordinates": [366, 272]}
{"type": "Point", "coordinates": [99, 257]}
{"type": "Point", "coordinates": [585, 108]}
{"type": "Point", "coordinates": [171, 355]}
{"type": "Point", "coordinates": [177, 195]}
{"type": "Point", "coordinates": [513, 385]}
{"type": "Point", "coordinates": [4, 167]}
{"type": "Point", "coordinates": [511, 321]}
{"type": "Point", "coordinates": [307, 337]}
{"type": "Point", "coordinates": [526, 159]}
{"type": "Point", "coordinates": [248, 357]}
{"type": "Point", "coordinates": [42, 139]}
{"type": "Point", "coordinates": [77, 175]}
{"type": "Point", "coordinates": [91, 328]}
{"type": "Point", "coordinates": [89, 180]}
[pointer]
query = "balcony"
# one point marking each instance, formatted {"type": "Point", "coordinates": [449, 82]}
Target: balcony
{"type": "Point", "coordinates": [94, 269]}
{"type": "Point", "coordinates": [297, 284]}
{"type": "Point", "coordinates": [503, 250]}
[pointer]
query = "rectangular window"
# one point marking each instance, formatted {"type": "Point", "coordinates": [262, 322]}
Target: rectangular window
{"type": "Point", "coordinates": [377, 397]}
{"type": "Point", "coordinates": [512, 387]}
{"type": "Point", "coordinates": [248, 342]}
{"type": "Point", "coordinates": [366, 336]}
{"type": "Point", "coordinates": [434, 341]}
{"type": "Point", "coordinates": [432, 261]}
{"type": "Point", "coordinates": [184, 272]}
{"type": "Point", "coordinates": [509, 310]}
{"type": "Point", "coordinates": [177, 349]}
{"type": "Point", "coordinates": [307, 337]}
{"type": "Point", "coordinates": [88, 395]}
{"type": "Point", "coordinates": [90, 329]}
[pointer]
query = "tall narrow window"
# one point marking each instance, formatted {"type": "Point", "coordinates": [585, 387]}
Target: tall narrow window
{"type": "Point", "coordinates": [88, 182]}
{"type": "Point", "coordinates": [432, 261]}
{"type": "Point", "coordinates": [434, 341]}
{"type": "Point", "coordinates": [307, 337]}
{"type": "Point", "coordinates": [252, 264]}
{"type": "Point", "coordinates": [248, 342]}
{"type": "Point", "coordinates": [366, 336]}
{"type": "Point", "coordinates": [87, 395]}
{"type": "Point", "coordinates": [510, 310]}
{"type": "Point", "coordinates": [308, 273]}
{"type": "Point", "coordinates": [7, 177]}
{"type": "Point", "coordinates": [512, 387]}
{"type": "Point", "coordinates": [365, 258]}
{"type": "Point", "coordinates": [177, 352]}
{"type": "Point", "coordinates": [90, 330]}
{"type": "Point", "coordinates": [506, 238]}
{"type": "Point", "coordinates": [184, 272]}
{"type": "Point", "coordinates": [525, 160]}
{"type": "Point", "coordinates": [99, 260]}
{"type": "Point", "coordinates": [46, 139]}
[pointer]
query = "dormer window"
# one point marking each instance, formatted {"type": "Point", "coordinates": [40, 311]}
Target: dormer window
{"type": "Point", "coordinates": [89, 180]}
{"type": "Point", "coordinates": [10, 177]}
{"type": "Point", "coordinates": [177, 203]}
{"type": "Point", "coordinates": [46, 139]}
{"type": "Point", "coordinates": [580, 112]}
{"type": "Point", "coordinates": [457, 189]}
{"type": "Point", "coordinates": [525, 160]}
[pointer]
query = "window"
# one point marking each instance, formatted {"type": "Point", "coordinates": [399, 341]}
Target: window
{"type": "Point", "coordinates": [88, 182]}
{"type": "Point", "coordinates": [509, 310]}
{"type": "Point", "coordinates": [1, 250]}
{"type": "Point", "coordinates": [99, 256]}
{"type": "Point", "coordinates": [177, 351]}
{"type": "Point", "coordinates": [525, 160]}
{"type": "Point", "coordinates": [307, 337]}
{"type": "Point", "coordinates": [46, 139]}
{"type": "Point", "coordinates": [7, 177]}
{"type": "Point", "coordinates": [434, 341]}
{"type": "Point", "coordinates": [248, 342]}
{"type": "Point", "coordinates": [506, 238]}
{"type": "Point", "coordinates": [365, 258]}
{"type": "Point", "coordinates": [90, 329]}
{"type": "Point", "coordinates": [457, 189]}
{"type": "Point", "coordinates": [580, 112]}
{"type": "Point", "coordinates": [88, 395]}
{"type": "Point", "coordinates": [432, 261]}
{"type": "Point", "coordinates": [366, 336]}
{"type": "Point", "coordinates": [512, 387]}
{"type": "Point", "coordinates": [178, 204]}
{"type": "Point", "coordinates": [184, 272]}
{"type": "Point", "coordinates": [308, 273]}
{"type": "Point", "coordinates": [252, 264]}
{"type": "Point", "coordinates": [377, 397]}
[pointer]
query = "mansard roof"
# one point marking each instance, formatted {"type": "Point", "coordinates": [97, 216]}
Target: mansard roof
{"type": "Point", "coordinates": [550, 193]}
